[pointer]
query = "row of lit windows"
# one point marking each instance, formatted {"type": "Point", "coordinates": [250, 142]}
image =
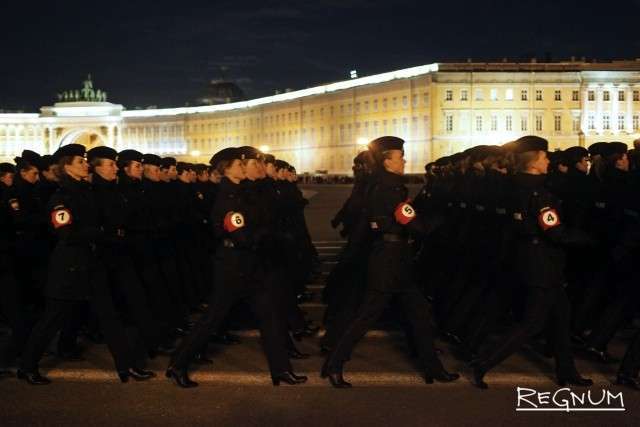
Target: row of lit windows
{"type": "Point", "coordinates": [524, 95]}
{"type": "Point", "coordinates": [539, 121]}
{"type": "Point", "coordinates": [293, 117]}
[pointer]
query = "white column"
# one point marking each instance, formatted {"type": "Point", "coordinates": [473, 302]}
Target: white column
{"type": "Point", "coordinates": [615, 108]}
{"type": "Point", "coordinates": [599, 109]}
{"type": "Point", "coordinates": [584, 111]}
{"type": "Point", "coordinates": [628, 123]}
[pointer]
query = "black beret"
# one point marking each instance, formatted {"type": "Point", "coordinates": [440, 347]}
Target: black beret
{"type": "Point", "coordinates": [7, 168]}
{"type": "Point", "coordinates": [615, 148]}
{"type": "Point", "coordinates": [31, 157]}
{"type": "Point", "coordinates": [443, 161]}
{"type": "Point", "coordinates": [530, 143]}
{"type": "Point", "coordinates": [46, 161]}
{"type": "Point", "coordinates": [281, 164]}
{"type": "Point", "coordinates": [226, 154]}
{"type": "Point", "coordinates": [557, 158]}
{"type": "Point", "coordinates": [457, 157]}
{"type": "Point", "coordinates": [251, 153]}
{"type": "Point", "coordinates": [509, 147]}
{"type": "Point", "coordinates": [597, 148]}
{"type": "Point", "coordinates": [200, 168]}
{"type": "Point", "coordinates": [151, 159]}
{"type": "Point", "coordinates": [574, 154]}
{"type": "Point", "coordinates": [477, 153]}
{"type": "Point", "coordinates": [69, 150]}
{"type": "Point", "coordinates": [130, 155]}
{"type": "Point", "coordinates": [269, 158]}
{"type": "Point", "coordinates": [102, 152]}
{"type": "Point", "coordinates": [167, 162]}
{"type": "Point", "coordinates": [385, 143]}
{"type": "Point", "coordinates": [363, 158]}
{"type": "Point", "coordinates": [184, 166]}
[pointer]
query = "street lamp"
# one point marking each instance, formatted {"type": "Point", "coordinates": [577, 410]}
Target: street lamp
{"type": "Point", "coordinates": [362, 141]}
{"type": "Point", "coordinates": [264, 148]}
{"type": "Point", "coordinates": [195, 153]}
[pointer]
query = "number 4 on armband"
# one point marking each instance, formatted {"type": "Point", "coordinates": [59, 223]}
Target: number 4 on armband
{"type": "Point", "coordinates": [548, 218]}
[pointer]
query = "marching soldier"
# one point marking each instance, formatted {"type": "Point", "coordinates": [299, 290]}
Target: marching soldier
{"type": "Point", "coordinates": [392, 219]}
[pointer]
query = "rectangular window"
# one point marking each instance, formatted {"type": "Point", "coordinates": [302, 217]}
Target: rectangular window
{"type": "Point", "coordinates": [538, 123]}
{"type": "Point", "coordinates": [479, 95]}
{"type": "Point", "coordinates": [449, 123]}
{"type": "Point", "coordinates": [606, 96]}
{"type": "Point", "coordinates": [591, 95]}
{"type": "Point", "coordinates": [508, 95]}
{"type": "Point", "coordinates": [557, 122]}
{"type": "Point", "coordinates": [425, 98]}
{"type": "Point", "coordinates": [357, 107]}
{"type": "Point", "coordinates": [494, 94]}
{"type": "Point", "coordinates": [523, 123]}
{"type": "Point", "coordinates": [479, 123]}
{"type": "Point", "coordinates": [366, 106]}
{"type": "Point", "coordinates": [620, 121]}
{"type": "Point", "coordinates": [524, 95]}
{"type": "Point", "coordinates": [636, 95]}
{"type": "Point", "coordinates": [414, 101]}
{"type": "Point", "coordinates": [448, 95]}
{"type": "Point", "coordinates": [575, 95]}
{"type": "Point", "coordinates": [494, 123]}
{"type": "Point", "coordinates": [375, 105]}
{"type": "Point", "coordinates": [620, 95]}
{"type": "Point", "coordinates": [575, 124]}
{"type": "Point", "coordinates": [395, 102]}
{"type": "Point", "coordinates": [538, 95]}
{"type": "Point", "coordinates": [557, 95]}
{"type": "Point", "coordinates": [509, 123]}
{"type": "Point", "coordinates": [591, 122]}
{"type": "Point", "coordinates": [405, 102]}
{"type": "Point", "coordinates": [464, 95]}
{"type": "Point", "coordinates": [606, 123]}
{"type": "Point", "coordinates": [384, 104]}
{"type": "Point", "coordinates": [636, 123]}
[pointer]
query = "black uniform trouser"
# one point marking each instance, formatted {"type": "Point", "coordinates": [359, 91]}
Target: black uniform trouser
{"type": "Point", "coordinates": [272, 330]}
{"type": "Point", "coordinates": [58, 310]}
{"type": "Point", "coordinates": [622, 306]}
{"type": "Point", "coordinates": [631, 362]}
{"type": "Point", "coordinates": [127, 284]}
{"type": "Point", "coordinates": [231, 287]}
{"type": "Point", "coordinates": [146, 265]}
{"type": "Point", "coordinates": [416, 309]}
{"type": "Point", "coordinates": [12, 306]}
{"type": "Point", "coordinates": [544, 306]}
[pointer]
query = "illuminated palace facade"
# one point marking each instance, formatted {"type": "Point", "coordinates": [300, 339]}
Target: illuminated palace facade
{"type": "Point", "coordinates": [437, 108]}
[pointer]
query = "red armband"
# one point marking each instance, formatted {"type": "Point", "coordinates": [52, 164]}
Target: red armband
{"type": "Point", "coordinates": [233, 221]}
{"type": "Point", "coordinates": [404, 213]}
{"type": "Point", "coordinates": [548, 218]}
{"type": "Point", "coordinates": [61, 217]}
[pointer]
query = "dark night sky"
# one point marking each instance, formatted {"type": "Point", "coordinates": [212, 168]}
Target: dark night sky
{"type": "Point", "coordinates": [164, 52]}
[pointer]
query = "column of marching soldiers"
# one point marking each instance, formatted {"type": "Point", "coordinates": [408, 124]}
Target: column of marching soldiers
{"type": "Point", "coordinates": [504, 246]}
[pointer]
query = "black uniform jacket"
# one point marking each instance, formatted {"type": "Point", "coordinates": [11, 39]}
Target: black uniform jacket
{"type": "Point", "coordinates": [74, 216]}
{"type": "Point", "coordinates": [540, 233]}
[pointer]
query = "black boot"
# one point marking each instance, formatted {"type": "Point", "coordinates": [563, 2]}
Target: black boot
{"type": "Point", "coordinates": [576, 380]}
{"type": "Point", "coordinates": [135, 373]}
{"type": "Point", "coordinates": [477, 378]}
{"type": "Point", "coordinates": [441, 377]}
{"type": "Point", "coordinates": [33, 378]}
{"type": "Point", "coordinates": [289, 378]}
{"type": "Point", "coordinates": [628, 381]}
{"type": "Point", "coordinates": [180, 377]}
{"type": "Point", "coordinates": [294, 353]}
{"type": "Point", "coordinates": [202, 359]}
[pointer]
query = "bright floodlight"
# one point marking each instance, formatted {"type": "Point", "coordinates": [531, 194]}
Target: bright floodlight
{"type": "Point", "coordinates": [264, 148]}
{"type": "Point", "coordinates": [195, 153]}
{"type": "Point", "coordinates": [362, 141]}
{"type": "Point", "coordinates": [354, 74]}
